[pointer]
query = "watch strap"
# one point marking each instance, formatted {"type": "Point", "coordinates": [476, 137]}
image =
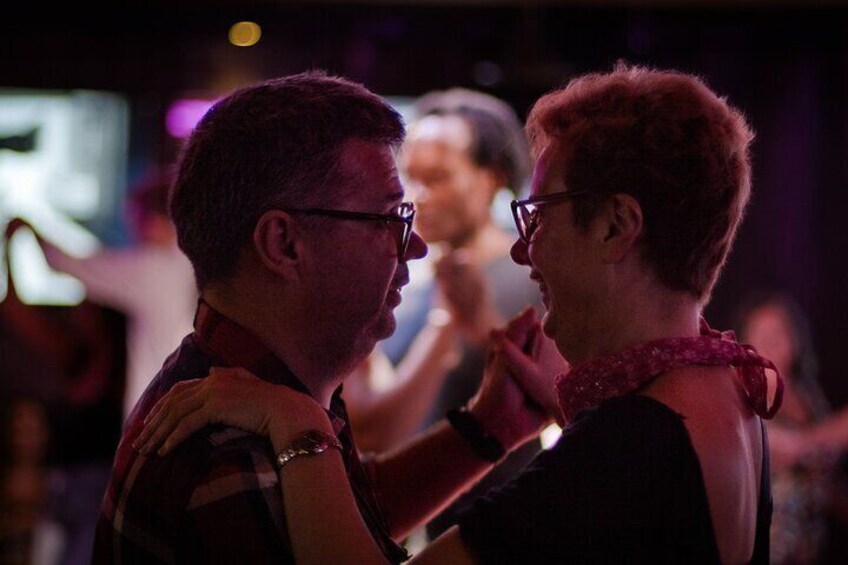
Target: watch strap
{"type": "Point", "coordinates": [469, 428]}
{"type": "Point", "coordinates": [308, 443]}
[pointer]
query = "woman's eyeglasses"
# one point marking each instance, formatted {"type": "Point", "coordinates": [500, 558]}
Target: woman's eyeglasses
{"type": "Point", "coordinates": [526, 212]}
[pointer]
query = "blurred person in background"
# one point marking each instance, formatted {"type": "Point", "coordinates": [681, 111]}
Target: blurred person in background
{"type": "Point", "coordinates": [464, 150]}
{"type": "Point", "coordinates": [72, 360]}
{"type": "Point", "coordinates": [26, 536]}
{"type": "Point", "coordinates": [151, 281]}
{"type": "Point", "coordinates": [804, 486]}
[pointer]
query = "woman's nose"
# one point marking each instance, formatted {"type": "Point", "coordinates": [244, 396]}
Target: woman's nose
{"type": "Point", "coordinates": [416, 248]}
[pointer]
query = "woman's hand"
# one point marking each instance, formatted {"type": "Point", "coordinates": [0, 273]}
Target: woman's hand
{"type": "Point", "coordinates": [502, 406]}
{"type": "Point", "coordinates": [536, 367]}
{"type": "Point", "coordinates": [231, 396]}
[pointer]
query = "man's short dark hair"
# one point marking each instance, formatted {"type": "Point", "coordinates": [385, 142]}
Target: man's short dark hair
{"type": "Point", "coordinates": [497, 136]}
{"type": "Point", "coordinates": [273, 144]}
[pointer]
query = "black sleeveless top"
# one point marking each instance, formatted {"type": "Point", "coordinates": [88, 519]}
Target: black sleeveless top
{"type": "Point", "coordinates": [622, 485]}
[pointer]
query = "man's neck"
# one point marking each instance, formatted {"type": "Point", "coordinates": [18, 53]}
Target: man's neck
{"type": "Point", "coordinates": [285, 338]}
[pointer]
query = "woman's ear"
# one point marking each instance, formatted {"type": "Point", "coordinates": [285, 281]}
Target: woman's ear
{"type": "Point", "coordinates": [624, 225]}
{"type": "Point", "coordinates": [276, 244]}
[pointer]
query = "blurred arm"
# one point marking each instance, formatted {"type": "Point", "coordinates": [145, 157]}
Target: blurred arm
{"type": "Point", "coordinates": [383, 419]}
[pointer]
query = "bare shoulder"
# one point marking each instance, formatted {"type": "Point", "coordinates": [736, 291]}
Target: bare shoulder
{"type": "Point", "coordinates": [701, 391]}
{"type": "Point", "coordinates": [726, 437]}
{"type": "Point", "coordinates": [715, 413]}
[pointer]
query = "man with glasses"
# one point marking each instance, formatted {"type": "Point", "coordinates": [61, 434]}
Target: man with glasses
{"type": "Point", "coordinates": [289, 207]}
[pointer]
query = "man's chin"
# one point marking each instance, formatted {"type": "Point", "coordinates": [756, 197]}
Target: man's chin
{"type": "Point", "coordinates": [386, 325]}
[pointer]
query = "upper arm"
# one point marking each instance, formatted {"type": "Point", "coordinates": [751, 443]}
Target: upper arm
{"type": "Point", "coordinates": [235, 511]}
{"type": "Point", "coordinates": [238, 528]}
{"type": "Point", "coordinates": [111, 276]}
{"type": "Point", "coordinates": [447, 548]}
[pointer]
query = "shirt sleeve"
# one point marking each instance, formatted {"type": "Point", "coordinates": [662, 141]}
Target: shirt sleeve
{"type": "Point", "coordinates": [235, 513]}
{"type": "Point", "coordinates": [622, 481]}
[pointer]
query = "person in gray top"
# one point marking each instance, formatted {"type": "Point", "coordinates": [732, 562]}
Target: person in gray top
{"type": "Point", "coordinates": [464, 150]}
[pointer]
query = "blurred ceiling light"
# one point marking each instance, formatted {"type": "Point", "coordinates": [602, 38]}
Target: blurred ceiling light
{"type": "Point", "coordinates": [245, 34]}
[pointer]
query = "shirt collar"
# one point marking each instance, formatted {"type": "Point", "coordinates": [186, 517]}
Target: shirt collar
{"type": "Point", "coordinates": [231, 345]}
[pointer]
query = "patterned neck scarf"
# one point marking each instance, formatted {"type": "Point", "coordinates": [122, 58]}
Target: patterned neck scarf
{"type": "Point", "coordinates": [627, 370]}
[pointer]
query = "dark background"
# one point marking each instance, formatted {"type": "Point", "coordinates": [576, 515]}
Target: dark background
{"type": "Point", "coordinates": [785, 64]}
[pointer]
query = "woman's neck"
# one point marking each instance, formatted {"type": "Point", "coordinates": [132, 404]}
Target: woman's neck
{"type": "Point", "coordinates": [645, 315]}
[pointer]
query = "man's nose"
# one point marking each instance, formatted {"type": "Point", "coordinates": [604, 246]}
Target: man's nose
{"type": "Point", "coordinates": [518, 252]}
{"type": "Point", "coordinates": [416, 249]}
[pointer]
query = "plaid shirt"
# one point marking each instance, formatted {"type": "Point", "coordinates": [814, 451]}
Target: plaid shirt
{"type": "Point", "coordinates": [216, 498]}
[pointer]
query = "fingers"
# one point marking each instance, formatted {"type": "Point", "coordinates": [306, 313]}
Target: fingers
{"type": "Point", "coordinates": [187, 426]}
{"type": "Point", "coordinates": [173, 408]}
{"type": "Point", "coordinates": [236, 373]}
{"type": "Point", "coordinates": [519, 329]}
{"type": "Point", "coordinates": [179, 390]}
{"type": "Point", "coordinates": [526, 373]}
{"type": "Point", "coordinates": [496, 338]}
{"type": "Point", "coordinates": [516, 360]}
{"type": "Point", "coordinates": [523, 321]}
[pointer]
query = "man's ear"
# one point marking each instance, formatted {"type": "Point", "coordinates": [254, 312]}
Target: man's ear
{"type": "Point", "coordinates": [623, 226]}
{"type": "Point", "coordinates": [276, 244]}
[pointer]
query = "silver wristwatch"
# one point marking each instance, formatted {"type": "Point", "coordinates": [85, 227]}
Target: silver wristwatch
{"type": "Point", "coordinates": [310, 442]}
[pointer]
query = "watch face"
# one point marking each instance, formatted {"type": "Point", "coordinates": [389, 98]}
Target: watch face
{"type": "Point", "coordinates": [315, 441]}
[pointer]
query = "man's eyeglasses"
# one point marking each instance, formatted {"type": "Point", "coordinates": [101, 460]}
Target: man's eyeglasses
{"type": "Point", "coordinates": [526, 212]}
{"type": "Point", "coordinates": [400, 222]}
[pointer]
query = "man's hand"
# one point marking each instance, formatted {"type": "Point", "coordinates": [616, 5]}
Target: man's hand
{"type": "Point", "coordinates": [501, 406]}
{"type": "Point", "coordinates": [536, 369]}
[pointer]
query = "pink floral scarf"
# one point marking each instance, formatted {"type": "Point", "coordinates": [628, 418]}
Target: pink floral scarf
{"type": "Point", "coordinates": [624, 371]}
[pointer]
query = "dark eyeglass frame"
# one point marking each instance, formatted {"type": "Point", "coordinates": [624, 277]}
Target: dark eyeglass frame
{"type": "Point", "coordinates": [405, 216]}
{"type": "Point", "coordinates": [526, 221]}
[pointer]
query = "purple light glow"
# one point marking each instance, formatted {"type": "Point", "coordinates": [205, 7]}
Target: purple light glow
{"type": "Point", "coordinates": [184, 114]}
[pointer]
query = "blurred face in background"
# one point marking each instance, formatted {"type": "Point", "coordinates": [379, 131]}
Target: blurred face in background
{"type": "Point", "coordinates": [452, 194]}
{"type": "Point", "coordinates": [770, 331]}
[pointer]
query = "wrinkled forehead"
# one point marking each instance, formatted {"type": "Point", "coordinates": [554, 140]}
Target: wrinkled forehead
{"type": "Point", "coordinates": [368, 172]}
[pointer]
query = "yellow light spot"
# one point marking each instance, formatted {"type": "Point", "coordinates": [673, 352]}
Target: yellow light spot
{"type": "Point", "coordinates": [245, 34]}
